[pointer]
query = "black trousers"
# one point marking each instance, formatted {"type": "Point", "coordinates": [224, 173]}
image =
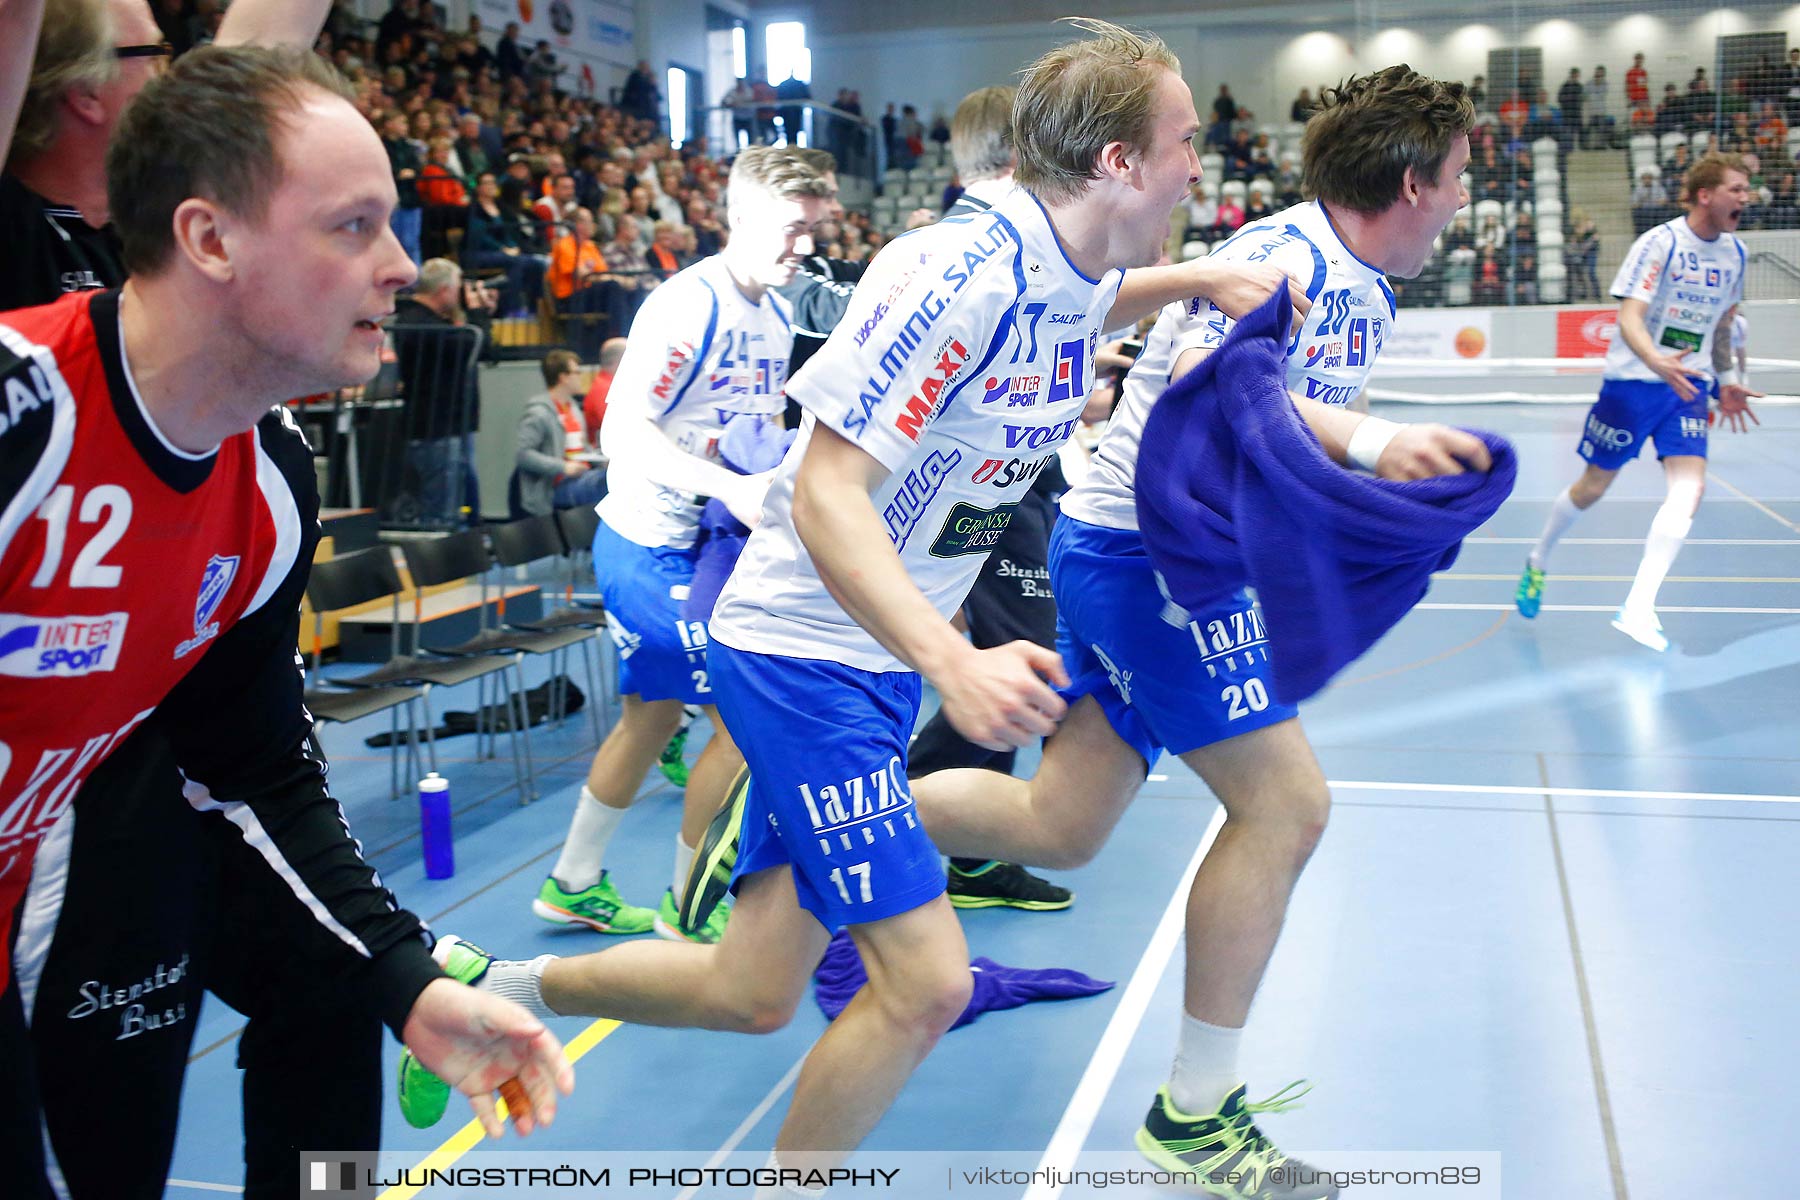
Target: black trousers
{"type": "Point", "coordinates": [159, 904]}
{"type": "Point", "coordinates": [1011, 601]}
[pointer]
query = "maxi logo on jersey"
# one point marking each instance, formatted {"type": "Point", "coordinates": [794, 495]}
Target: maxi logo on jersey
{"type": "Point", "coordinates": [911, 334]}
{"type": "Point", "coordinates": [215, 581]}
{"type": "Point", "coordinates": [916, 492]}
{"type": "Point", "coordinates": [33, 647]}
{"type": "Point", "coordinates": [921, 404]}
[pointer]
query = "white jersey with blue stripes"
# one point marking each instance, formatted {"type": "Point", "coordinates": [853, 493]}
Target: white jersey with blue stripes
{"type": "Point", "coordinates": [1329, 359]}
{"type": "Point", "coordinates": [701, 355]}
{"type": "Point", "coordinates": [962, 366]}
{"type": "Point", "coordinates": [1687, 284]}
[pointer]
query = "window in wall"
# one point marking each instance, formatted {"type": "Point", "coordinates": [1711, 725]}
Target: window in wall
{"type": "Point", "coordinates": [677, 92]}
{"type": "Point", "coordinates": [787, 52]}
{"type": "Point", "coordinates": [740, 53]}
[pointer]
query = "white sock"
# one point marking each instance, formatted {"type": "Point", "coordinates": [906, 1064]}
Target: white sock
{"type": "Point", "coordinates": [1667, 531]}
{"type": "Point", "coordinates": [684, 862]}
{"type": "Point", "coordinates": [1206, 1065]}
{"type": "Point", "coordinates": [584, 850]}
{"type": "Point", "coordinates": [790, 1192]}
{"type": "Point", "coordinates": [1562, 515]}
{"type": "Point", "coordinates": [520, 982]}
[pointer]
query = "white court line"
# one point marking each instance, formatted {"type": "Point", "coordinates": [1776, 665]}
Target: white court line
{"type": "Point", "coordinates": [1370, 785]}
{"type": "Point", "coordinates": [1741, 494]}
{"type": "Point", "coordinates": [1084, 1106]}
{"type": "Point", "coordinates": [1374, 785]}
{"type": "Point", "coordinates": [750, 1122]}
{"type": "Point", "coordinates": [1620, 578]}
{"type": "Point", "coordinates": [1613, 608]}
{"type": "Point", "coordinates": [1636, 541]}
{"type": "Point", "coordinates": [204, 1187]}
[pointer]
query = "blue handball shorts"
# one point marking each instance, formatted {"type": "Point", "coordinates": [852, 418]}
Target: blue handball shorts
{"type": "Point", "coordinates": [826, 748]}
{"type": "Point", "coordinates": [1631, 412]}
{"type": "Point", "coordinates": [661, 655]}
{"type": "Point", "coordinates": [1163, 682]}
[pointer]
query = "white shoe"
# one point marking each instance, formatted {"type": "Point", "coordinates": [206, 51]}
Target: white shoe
{"type": "Point", "coordinates": [1641, 627]}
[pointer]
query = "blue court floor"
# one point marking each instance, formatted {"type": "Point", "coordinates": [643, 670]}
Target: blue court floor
{"type": "Point", "coordinates": [1544, 931]}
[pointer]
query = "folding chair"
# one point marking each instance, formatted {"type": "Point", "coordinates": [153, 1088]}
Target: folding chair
{"type": "Point", "coordinates": [516, 544]}
{"type": "Point", "coordinates": [424, 667]}
{"type": "Point", "coordinates": [345, 582]}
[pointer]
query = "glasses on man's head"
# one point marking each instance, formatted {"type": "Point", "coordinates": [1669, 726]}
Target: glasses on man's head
{"type": "Point", "coordinates": [160, 51]}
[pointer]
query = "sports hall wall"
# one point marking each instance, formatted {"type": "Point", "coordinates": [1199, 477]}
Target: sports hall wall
{"type": "Point", "coordinates": [895, 55]}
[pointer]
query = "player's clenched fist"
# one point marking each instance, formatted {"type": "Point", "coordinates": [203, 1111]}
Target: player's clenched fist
{"type": "Point", "coordinates": [999, 699]}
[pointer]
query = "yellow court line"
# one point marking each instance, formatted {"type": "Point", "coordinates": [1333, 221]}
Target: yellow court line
{"type": "Point", "coordinates": [471, 1135]}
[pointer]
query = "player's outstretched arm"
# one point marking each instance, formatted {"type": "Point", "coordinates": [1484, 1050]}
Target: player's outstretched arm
{"type": "Point", "coordinates": [476, 1042]}
{"type": "Point", "coordinates": [1734, 393]}
{"type": "Point", "coordinates": [19, 24]}
{"type": "Point", "coordinates": [996, 698]}
{"type": "Point", "coordinates": [1237, 288]}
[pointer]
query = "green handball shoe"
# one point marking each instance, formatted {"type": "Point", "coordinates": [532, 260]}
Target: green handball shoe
{"type": "Point", "coordinates": [668, 923]}
{"type": "Point", "coordinates": [1229, 1154]}
{"type": "Point", "coordinates": [1531, 592]}
{"type": "Point", "coordinates": [672, 764]}
{"type": "Point", "coordinates": [600, 908]}
{"type": "Point", "coordinates": [423, 1096]}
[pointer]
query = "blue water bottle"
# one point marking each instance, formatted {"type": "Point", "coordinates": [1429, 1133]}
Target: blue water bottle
{"type": "Point", "coordinates": [434, 827]}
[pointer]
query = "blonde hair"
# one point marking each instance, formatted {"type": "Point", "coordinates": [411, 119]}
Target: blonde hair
{"type": "Point", "coordinates": [1708, 173]}
{"type": "Point", "coordinates": [776, 170]}
{"type": "Point", "coordinates": [74, 49]}
{"type": "Point", "coordinates": [1081, 97]}
{"type": "Point", "coordinates": [981, 134]}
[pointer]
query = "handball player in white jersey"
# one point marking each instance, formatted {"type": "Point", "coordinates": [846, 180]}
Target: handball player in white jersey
{"type": "Point", "coordinates": [1678, 291]}
{"type": "Point", "coordinates": [908, 468]}
{"type": "Point", "coordinates": [709, 346]}
{"type": "Point", "coordinates": [1383, 163]}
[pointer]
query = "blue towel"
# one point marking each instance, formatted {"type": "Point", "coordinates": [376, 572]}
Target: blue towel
{"type": "Point", "coordinates": [747, 446]}
{"type": "Point", "coordinates": [841, 975]}
{"type": "Point", "coordinates": [1234, 490]}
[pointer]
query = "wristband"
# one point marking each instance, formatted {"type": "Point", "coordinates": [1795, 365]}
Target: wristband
{"type": "Point", "coordinates": [1731, 378]}
{"type": "Point", "coordinates": [1368, 440]}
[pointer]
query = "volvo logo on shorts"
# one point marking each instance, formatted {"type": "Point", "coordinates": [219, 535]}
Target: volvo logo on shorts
{"type": "Point", "coordinates": [1606, 435]}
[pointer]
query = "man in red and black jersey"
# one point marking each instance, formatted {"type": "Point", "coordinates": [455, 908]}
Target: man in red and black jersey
{"type": "Point", "coordinates": [155, 526]}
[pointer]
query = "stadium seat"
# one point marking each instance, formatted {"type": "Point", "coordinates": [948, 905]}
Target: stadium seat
{"type": "Point", "coordinates": [1209, 188]}
{"type": "Point", "coordinates": [1671, 140]}
{"type": "Point", "coordinates": [1550, 212]}
{"type": "Point", "coordinates": [1544, 148]}
{"type": "Point", "coordinates": [893, 177]}
{"type": "Point", "coordinates": [1487, 208]}
{"type": "Point", "coordinates": [1234, 188]}
{"type": "Point", "coordinates": [1550, 236]}
{"type": "Point", "coordinates": [1193, 250]}
{"type": "Point", "coordinates": [1263, 184]}
{"type": "Point", "coordinates": [1644, 143]}
{"type": "Point", "coordinates": [1697, 141]}
{"type": "Point", "coordinates": [1553, 283]}
{"type": "Point", "coordinates": [1548, 255]}
{"type": "Point", "coordinates": [1212, 166]}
